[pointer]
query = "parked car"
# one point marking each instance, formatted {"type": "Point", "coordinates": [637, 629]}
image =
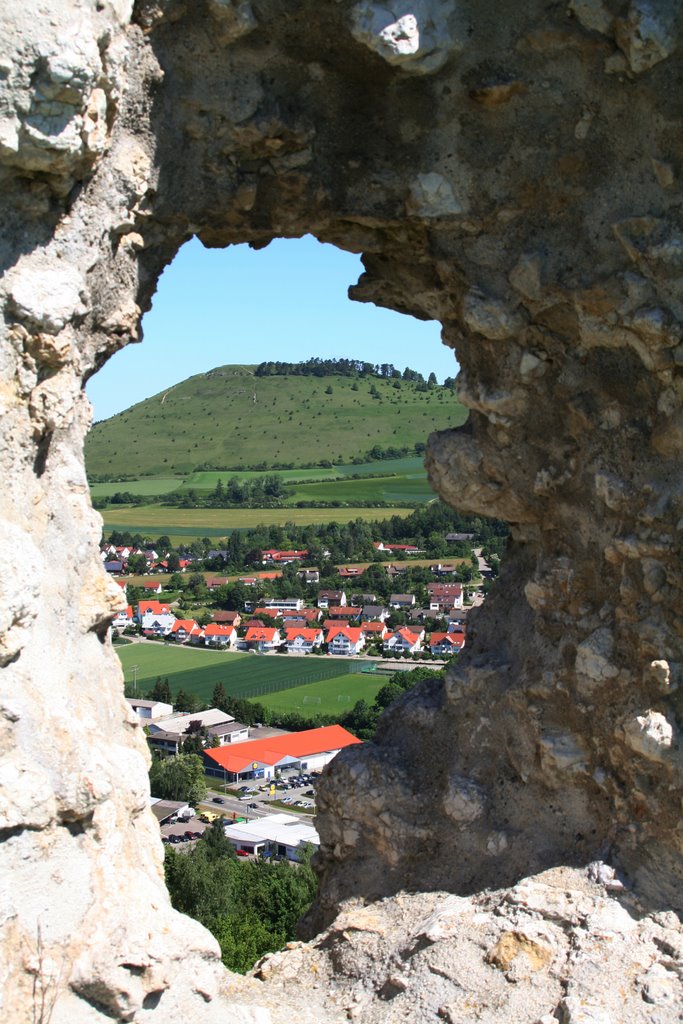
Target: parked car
{"type": "Point", "coordinates": [309, 792]}
{"type": "Point", "coordinates": [218, 800]}
{"type": "Point", "coordinates": [242, 853]}
{"type": "Point", "coordinates": [243, 789]}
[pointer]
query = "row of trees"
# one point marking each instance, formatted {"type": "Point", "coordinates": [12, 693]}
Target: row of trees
{"type": "Point", "coordinates": [318, 367]}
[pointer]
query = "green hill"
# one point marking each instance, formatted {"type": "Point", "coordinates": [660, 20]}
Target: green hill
{"type": "Point", "coordinates": [230, 418]}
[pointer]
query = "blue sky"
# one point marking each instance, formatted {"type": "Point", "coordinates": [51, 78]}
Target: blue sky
{"type": "Point", "coordinates": [236, 305]}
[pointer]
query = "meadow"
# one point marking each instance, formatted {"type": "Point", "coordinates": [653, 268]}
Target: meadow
{"type": "Point", "coordinates": [182, 524]}
{"type": "Point", "coordinates": [243, 675]}
{"type": "Point", "coordinates": [229, 416]}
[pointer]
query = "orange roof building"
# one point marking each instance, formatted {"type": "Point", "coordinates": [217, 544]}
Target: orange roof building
{"type": "Point", "coordinates": [308, 750]}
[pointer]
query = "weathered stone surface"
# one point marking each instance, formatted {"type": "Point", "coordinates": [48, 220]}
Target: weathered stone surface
{"type": "Point", "coordinates": [512, 171]}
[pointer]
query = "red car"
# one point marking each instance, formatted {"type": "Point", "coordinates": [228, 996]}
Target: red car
{"type": "Point", "coordinates": [242, 853]}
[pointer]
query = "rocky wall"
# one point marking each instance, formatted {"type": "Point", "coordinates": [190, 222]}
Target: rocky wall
{"type": "Point", "coordinates": [510, 169]}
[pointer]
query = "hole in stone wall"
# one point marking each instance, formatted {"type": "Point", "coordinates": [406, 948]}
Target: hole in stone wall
{"type": "Point", "coordinates": [192, 390]}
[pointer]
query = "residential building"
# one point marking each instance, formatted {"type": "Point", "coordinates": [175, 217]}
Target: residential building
{"type": "Point", "coordinates": [227, 618]}
{"type": "Point", "coordinates": [216, 581]}
{"type": "Point", "coordinates": [307, 614]}
{"type": "Point", "coordinates": [374, 629]}
{"type": "Point", "coordinates": [186, 629]}
{"type": "Point", "coordinates": [345, 640]}
{"type": "Point", "coordinates": [345, 612]}
{"type": "Point", "coordinates": [124, 619]}
{"type": "Point", "coordinates": [224, 634]}
{"type": "Point", "coordinates": [148, 710]}
{"type": "Point", "coordinates": [281, 557]}
{"type": "Point", "coordinates": [309, 575]}
{"type": "Point", "coordinates": [445, 595]}
{"type": "Point", "coordinates": [282, 604]}
{"type": "Point", "coordinates": [331, 597]}
{"type": "Point", "coordinates": [374, 611]}
{"type": "Point", "coordinates": [405, 640]}
{"type": "Point", "coordinates": [458, 537]}
{"type": "Point", "coordinates": [402, 549]}
{"type": "Point", "coordinates": [402, 600]}
{"type": "Point", "coordinates": [155, 617]}
{"type": "Point", "coordinates": [262, 638]}
{"type": "Point", "coordinates": [302, 641]}
{"type": "Point", "coordinates": [165, 735]}
{"type": "Point", "coordinates": [446, 644]}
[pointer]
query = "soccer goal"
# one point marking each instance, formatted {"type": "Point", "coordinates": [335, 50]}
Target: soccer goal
{"type": "Point", "coordinates": [344, 698]}
{"type": "Point", "coordinates": [311, 700]}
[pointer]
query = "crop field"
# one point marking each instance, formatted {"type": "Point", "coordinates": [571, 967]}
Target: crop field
{"type": "Point", "coordinates": [243, 675]}
{"type": "Point", "coordinates": [181, 524]}
{"type": "Point", "coordinates": [413, 487]}
{"type": "Point", "coordinates": [332, 696]}
{"type": "Point", "coordinates": [144, 486]}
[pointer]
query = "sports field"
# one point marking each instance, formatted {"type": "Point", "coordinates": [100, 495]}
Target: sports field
{"type": "Point", "coordinates": [332, 696]}
{"type": "Point", "coordinates": [243, 675]}
{"type": "Point", "coordinates": [180, 524]}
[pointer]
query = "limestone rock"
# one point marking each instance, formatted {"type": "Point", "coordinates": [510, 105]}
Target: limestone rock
{"type": "Point", "coordinates": [495, 178]}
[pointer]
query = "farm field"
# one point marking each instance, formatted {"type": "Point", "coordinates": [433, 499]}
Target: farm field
{"type": "Point", "coordinates": [328, 697]}
{"type": "Point", "coordinates": [144, 486]}
{"type": "Point", "coordinates": [243, 675]}
{"type": "Point", "coordinates": [413, 487]}
{"type": "Point", "coordinates": [207, 480]}
{"type": "Point", "coordinates": [181, 524]}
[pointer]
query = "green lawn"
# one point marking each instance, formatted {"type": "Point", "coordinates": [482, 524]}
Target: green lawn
{"type": "Point", "coordinates": [328, 697]}
{"type": "Point", "coordinates": [182, 523]}
{"type": "Point", "coordinates": [242, 675]}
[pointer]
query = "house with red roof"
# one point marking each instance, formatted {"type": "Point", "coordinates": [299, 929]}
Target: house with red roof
{"type": "Point", "coordinates": [302, 641]}
{"type": "Point", "coordinates": [444, 596]}
{"type": "Point", "coordinates": [224, 634]}
{"type": "Point", "coordinates": [216, 581]}
{"type": "Point", "coordinates": [309, 614]}
{"type": "Point", "coordinates": [331, 597]}
{"type": "Point", "coordinates": [272, 613]}
{"type": "Point", "coordinates": [273, 555]}
{"type": "Point", "coordinates": [262, 638]}
{"type": "Point", "coordinates": [446, 644]}
{"type": "Point", "coordinates": [155, 617]}
{"type": "Point", "coordinates": [405, 640]}
{"type": "Point", "coordinates": [124, 618]}
{"type": "Point", "coordinates": [257, 759]}
{"type": "Point", "coordinates": [152, 587]}
{"type": "Point", "coordinates": [345, 640]}
{"type": "Point", "coordinates": [227, 618]}
{"type": "Point", "coordinates": [374, 630]}
{"type": "Point", "coordinates": [186, 629]}
{"type": "Point", "coordinates": [403, 549]}
{"type": "Point", "coordinates": [350, 571]}
{"type": "Point", "coordinates": [344, 612]}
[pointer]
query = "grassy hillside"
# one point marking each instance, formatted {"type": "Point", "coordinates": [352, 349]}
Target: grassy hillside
{"type": "Point", "coordinates": [229, 417]}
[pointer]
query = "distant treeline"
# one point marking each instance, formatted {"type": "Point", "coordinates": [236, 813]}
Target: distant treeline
{"type": "Point", "coordinates": [317, 367]}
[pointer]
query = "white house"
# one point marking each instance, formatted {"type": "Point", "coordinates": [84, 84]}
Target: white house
{"type": "Point", "coordinates": [218, 633]}
{"type": "Point", "coordinates": [155, 617]}
{"type": "Point", "coordinates": [302, 640]}
{"type": "Point", "coordinates": [346, 640]}
{"type": "Point", "coordinates": [263, 638]}
{"type": "Point", "coordinates": [331, 597]}
{"type": "Point", "coordinates": [149, 710]}
{"type": "Point", "coordinates": [446, 644]}
{"type": "Point", "coordinates": [405, 640]}
{"type": "Point", "coordinates": [124, 618]}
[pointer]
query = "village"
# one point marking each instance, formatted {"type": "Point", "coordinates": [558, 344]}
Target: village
{"type": "Point", "coordinates": [336, 622]}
